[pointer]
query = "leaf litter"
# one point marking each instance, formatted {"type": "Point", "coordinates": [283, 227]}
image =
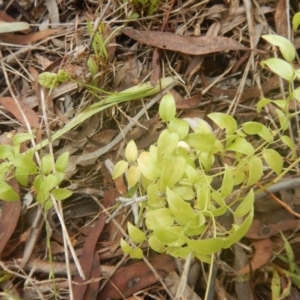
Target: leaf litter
{"type": "Point", "coordinates": [211, 44]}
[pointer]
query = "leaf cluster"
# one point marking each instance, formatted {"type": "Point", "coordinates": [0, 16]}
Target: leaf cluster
{"type": "Point", "coordinates": [176, 174]}
{"type": "Point", "coordinates": [44, 179]}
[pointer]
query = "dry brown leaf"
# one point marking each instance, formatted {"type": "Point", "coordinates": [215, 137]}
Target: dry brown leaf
{"type": "Point", "coordinates": [9, 217]}
{"type": "Point", "coordinates": [263, 253]}
{"type": "Point", "coordinates": [43, 61]}
{"type": "Point", "coordinates": [93, 287]}
{"type": "Point", "coordinates": [10, 105]}
{"type": "Point", "coordinates": [126, 74]}
{"type": "Point", "coordinates": [260, 230]}
{"type": "Point", "coordinates": [184, 44]}
{"type": "Point", "coordinates": [281, 19]}
{"type": "Point", "coordinates": [135, 277]}
{"type": "Point", "coordinates": [18, 39]}
{"type": "Point", "coordinates": [156, 67]}
{"type": "Point", "coordinates": [88, 253]}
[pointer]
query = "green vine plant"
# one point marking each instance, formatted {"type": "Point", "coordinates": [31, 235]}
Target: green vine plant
{"type": "Point", "coordinates": [178, 177]}
{"type": "Point", "coordinates": [43, 179]}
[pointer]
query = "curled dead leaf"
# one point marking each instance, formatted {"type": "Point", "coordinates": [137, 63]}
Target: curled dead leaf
{"type": "Point", "coordinates": [263, 253]}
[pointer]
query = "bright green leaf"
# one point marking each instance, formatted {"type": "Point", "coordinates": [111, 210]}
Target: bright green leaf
{"type": "Point", "coordinates": [48, 80]}
{"type": "Point", "coordinates": [274, 160]}
{"type": "Point", "coordinates": [22, 176]}
{"type": "Point", "coordinates": [5, 151]}
{"type": "Point", "coordinates": [48, 183]}
{"type": "Point", "coordinates": [133, 175]}
{"type": "Point", "coordinates": [4, 168]}
{"type": "Point", "coordinates": [255, 170]}
{"type": "Point", "coordinates": [46, 164]}
{"type": "Point", "coordinates": [283, 119]}
{"type": "Point", "coordinates": [262, 103]}
{"type": "Point", "coordinates": [286, 47]}
{"type": "Point", "coordinates": [62, 162]}
{"type": "Point", "coordinates": [23, 162]}
{"type": "Point", "coordinates": [288, 141]}
{"type": "Point", "coordinates": [131, 151]}
{"type": "Point", "coordinates": [245, 206]}
{"type": "Point", "coordinates": [120, 168]}
{"type": "Point", "coordinates": [185, 192]}
{"type": "Point", "coordinates": [61, 194]}
{"type": "Point", "coordinates": [227, 183]}
{"type": "Point", "coordinates": [239, 176]}
{"type": "Point", "coordinates": [7, 193]}
{"type": "Point", "coordinates": [203, 196]}
{"type": "Point", "coordinates": [173, 168]}
{"type": "Point", "coordinates": [92, 66]}
{"type": "Point", "coordinates": [179, 126]}
{"type": "Point", "coordinates": [156, 245]}
{"type": "Point", "coordinates": [239, 231]}
{"type": "Point", "coordinates": [154, 200]}
{"type": "Point", "coordinates": [201, 141]}
{"type": "Point", "coordinates": [259, 129]}
{"type": "Point", "coordinates": [48, 204]}
{"type": "Point", "coordinates": [159, 217]}
{"type": "Point", "coordinates": [199, 125]}
{"type": "Point", "coordinates": [242, 146]}
{"type": "Point", "coordinates": [282, 104]}
{"type": "Point", "coordinates": [60, 177]}
{"type": "Point", "coordinates": [180, 252]}
{"type": "Point", "coordinates": [191, 173]}
{"type": "Point", "coordinates": [136, 235]}
{"type": "Point", "coordinates": [148, 169]}
{"type": "Point", "coordinates": [166, 144]}
{"type": "Point", "coordinates": [206, 160]}
{"type": "Point", "coordinates": [42, 198]}
{"type": "Point", "coordinates": [136, 253]}
{"type": "Point", "coordinates": [38, 181]}
{"type": "Point", "coordinates": [169, 235]}
{"type": "Point", "coordinates": [252, 127]}
{"type": "Point", "coordinates": [22, 137]}
{"type": "Point", "coordinates": [296, 94]}
{"type": "Point", "coordinates": [224, 121]}
{"type": "Point", "coordinates": [196, 226]}
{"type": "Point", "coordinates": [206, 246]}
{"type": "Point", "coordinates": [125, 246]}
{"type": "Point", "coordinates": [296, 21]}
{"type": "Point", "coordinates": [279, 67]}
{"type": "Point", "coordinates": [167, 108]}
{"type": "Point", "coordinates": [63, 75]}
{"type": "Point", "coordinates": [134, 16]}
{"type": "Point", "coordinates": [181, 210]}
